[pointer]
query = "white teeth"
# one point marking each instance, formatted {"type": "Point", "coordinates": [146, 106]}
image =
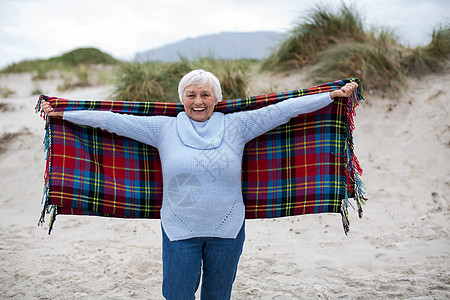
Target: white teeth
{"type": "Point", "coordinates": [199, 109]}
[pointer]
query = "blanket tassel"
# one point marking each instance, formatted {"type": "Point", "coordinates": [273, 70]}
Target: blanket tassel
{"type": "Point", "coordinates": [52, 219]}
{"type": "Point", "coordinates": [42, 218]}
{"type": "Point", "coordinates": [345, 220]}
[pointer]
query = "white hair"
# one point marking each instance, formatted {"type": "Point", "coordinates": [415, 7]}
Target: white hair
{"type": "Point", "coordinates": [200, 78]}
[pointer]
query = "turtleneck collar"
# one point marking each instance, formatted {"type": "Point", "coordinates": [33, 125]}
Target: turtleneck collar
{"type": "Point", "coordinates": [201, 135]}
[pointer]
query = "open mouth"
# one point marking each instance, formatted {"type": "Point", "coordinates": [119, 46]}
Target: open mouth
{"type": "Point", "coordinates": [199, 109]}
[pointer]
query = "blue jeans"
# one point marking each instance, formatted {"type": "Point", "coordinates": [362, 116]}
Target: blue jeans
{"type": "Point", "coordinates": [182, 266]}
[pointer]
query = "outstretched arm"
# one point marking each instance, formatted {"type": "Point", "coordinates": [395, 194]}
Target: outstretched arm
{"type": "Point", "coordinates": [146, 129]}
{"type": "Point", "coordinates": [259, 121]}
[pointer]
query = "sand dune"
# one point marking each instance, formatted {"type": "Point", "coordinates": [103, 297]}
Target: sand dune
{"type": "Point", "coordinates": [399, 250]}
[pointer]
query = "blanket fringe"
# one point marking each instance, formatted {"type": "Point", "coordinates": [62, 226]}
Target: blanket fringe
{"type": "Point", "coordinates": [355, 186]}
{"type": "Point", "coordinates": [38, 108]}
{"type": "Point", "coordinates": [344, 215]}
{"type": "Point", "coordinates": [47, 208]}
{"type": "Point", "coordinates": [42, 218]}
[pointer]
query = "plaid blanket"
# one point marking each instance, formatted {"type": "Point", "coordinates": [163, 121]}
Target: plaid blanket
{"type": "Point", "coordinates": [305, 166]}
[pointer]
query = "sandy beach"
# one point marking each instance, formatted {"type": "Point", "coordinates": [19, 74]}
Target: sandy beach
{"type": "Point", "coordinates": [399, 250]}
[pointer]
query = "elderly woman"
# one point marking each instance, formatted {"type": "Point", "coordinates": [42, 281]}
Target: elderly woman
{"type": "Point", "coordinates": [202, 212]}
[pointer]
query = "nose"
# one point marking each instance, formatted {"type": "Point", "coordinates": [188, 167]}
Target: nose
{"type": "Point", "coordinates": [198, 100]}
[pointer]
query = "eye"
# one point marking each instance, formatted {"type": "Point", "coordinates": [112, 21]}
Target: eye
{"type": "Point", "coordinates": [205, 95]}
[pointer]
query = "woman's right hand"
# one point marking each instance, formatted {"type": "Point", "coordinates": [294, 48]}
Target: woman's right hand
{"type": "Point", "coordinates": [49, 111]}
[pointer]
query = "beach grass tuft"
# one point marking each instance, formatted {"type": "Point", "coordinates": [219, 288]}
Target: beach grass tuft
{"type": "Point", "coordinates": [431, 58]}
{"type": "Point", "coordinates": [322, 28]}
{"type": "Point", "coordinates": [368, 61]}
{"type": "Point", "coordinates": [158, 81]}
{"type": "Point", "coordinates": [138, 82]}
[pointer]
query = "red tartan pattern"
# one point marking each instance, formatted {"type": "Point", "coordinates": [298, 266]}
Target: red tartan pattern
{"type": "Point", "coordinates": [305, 166]}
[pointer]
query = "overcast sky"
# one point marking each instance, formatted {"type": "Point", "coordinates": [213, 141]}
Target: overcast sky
{"type": "Point", "coordinates": [44, 28]}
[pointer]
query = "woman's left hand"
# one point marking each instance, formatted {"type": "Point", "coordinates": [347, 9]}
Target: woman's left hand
{"type": "Point", "coordinates": [344, 91]}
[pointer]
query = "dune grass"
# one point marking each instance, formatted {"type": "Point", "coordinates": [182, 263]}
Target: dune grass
{"type": "Point", "coordinates": [381, 62]}
{"type": "Point", "coordinates": [430, 58]}
{"type": "Point", "coordinates": [320, 30]}
{"type": "Point", "coordinates": [138, 82]}
{"type": "Point", "coordinates": [232, 74]}
{"type": "Point", "coordinates": [334, 45]}
{"type": "Point", "coordinates": [368, 61]}
{"type": "Point", "coordinates": [158, 82]}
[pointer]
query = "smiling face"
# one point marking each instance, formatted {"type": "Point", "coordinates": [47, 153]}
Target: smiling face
{"type": "Point", "coordinates": [199, 102]}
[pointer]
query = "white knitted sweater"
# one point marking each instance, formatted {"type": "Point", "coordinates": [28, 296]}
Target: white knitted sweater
{"type": "Point", "coordinates": [201, 161]}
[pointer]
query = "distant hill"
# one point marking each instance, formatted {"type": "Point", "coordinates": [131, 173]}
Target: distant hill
{"type": "Point", "coordinates": [88, 56]}
{"type": "Point", "coordinates": [80, 56]}
{"type": "Point", "coordinates": [226, 45]}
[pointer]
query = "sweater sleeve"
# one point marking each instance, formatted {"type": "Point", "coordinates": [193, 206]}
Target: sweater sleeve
{"type": "Point", "coordinates": [257, 122]}
{"type": "Point", "coordinates": [145, 129]}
